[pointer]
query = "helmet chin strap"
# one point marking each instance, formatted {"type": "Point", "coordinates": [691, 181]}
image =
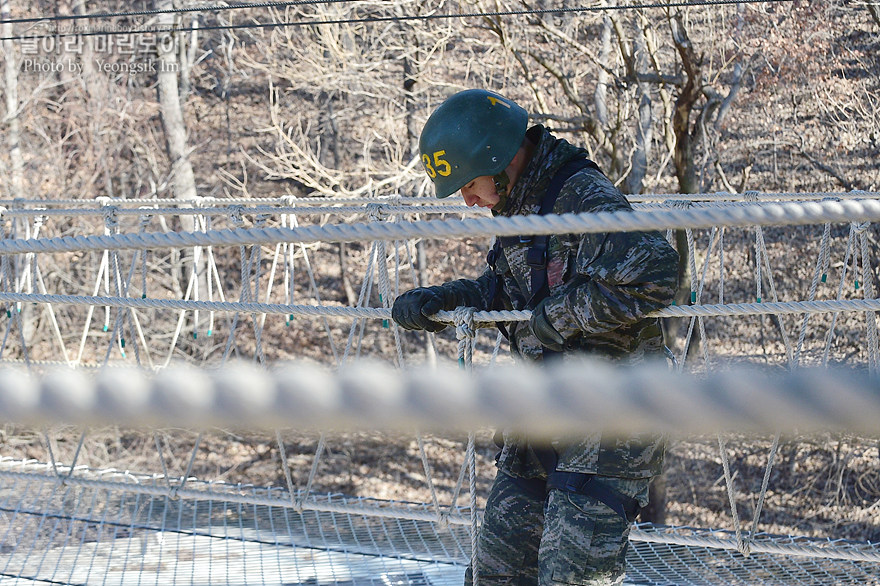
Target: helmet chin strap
{"type": "Point", "coordinates": [502, 184]}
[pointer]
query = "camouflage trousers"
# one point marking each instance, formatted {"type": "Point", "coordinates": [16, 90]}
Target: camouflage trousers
{"type": "Point", "coordinates": [531, 539]}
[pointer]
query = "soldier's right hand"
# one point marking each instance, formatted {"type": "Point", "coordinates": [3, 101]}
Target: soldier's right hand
{"type": "Point", "coordinates": [411, 310]}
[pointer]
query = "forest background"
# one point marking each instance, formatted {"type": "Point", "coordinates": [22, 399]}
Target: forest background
{"type": "Point", "coordinates": [326, 98]}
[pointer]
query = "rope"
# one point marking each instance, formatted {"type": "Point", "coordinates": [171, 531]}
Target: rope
{"type": "Point", "coordinates": [294, 202]}
{"type": "Point", "coordinates": [463, 317]}
{"type": "Point", "coordinates": [481, 318]}
{"type": "Point", "coordinates": [643, 398]}
{"type": "Point", "coordinates": [406, 18]}
{"type": "Point", "coordinates": [814, 285]}
{"type": "Point", "coordinates": [638, 221]}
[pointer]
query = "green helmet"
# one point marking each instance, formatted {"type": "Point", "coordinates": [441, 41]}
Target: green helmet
{"type": "Point", "coordinates": [473, 133]}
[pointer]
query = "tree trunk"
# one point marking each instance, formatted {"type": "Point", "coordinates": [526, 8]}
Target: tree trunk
{"type": "Point", "coordinates": [183, 182]}
{"type": "Point", "coordinates": [644, 130]}
{"type": "Point", "coordinates": [11, 118]}
{"type": "Point", "coordinates": [600, 97]}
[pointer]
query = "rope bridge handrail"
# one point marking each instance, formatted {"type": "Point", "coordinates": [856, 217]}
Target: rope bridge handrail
{"type": "Point", "coordinates": [481, 318]}
{"type": "Point", "coordinates": [646, 397]}
{"type": "Point", "coordinates": [748, 215]}
{"type": "Point", "coordinates": [454, 200]}
{"type": "Point", "coordinates": [382, 207]}
{"type": "Point", "coordinates": [252, 210]}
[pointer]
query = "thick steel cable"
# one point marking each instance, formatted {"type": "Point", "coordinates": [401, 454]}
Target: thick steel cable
{"type": "Point", "coordinates": [330, 208]}
{"type": "Point", "coordinates": [369, 395]}
{"type": "Point", "coordinates": [393, 19]}
{"type": "Point", "coordinates": [763, 545]}
{"type": "Point", "coordinates": [479, 317]}
{"type": "Point", "coordinates": [227, 201]}
{"type": "Point", "coordinates": [788, 214]}
{"type": "Point", "coordinates": [454, 200]}
{"type": "Point", "coordinates": [224, 210]}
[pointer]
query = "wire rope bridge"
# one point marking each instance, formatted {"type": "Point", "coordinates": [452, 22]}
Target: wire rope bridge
{"type": "Point", "coordinates": [66, 522]}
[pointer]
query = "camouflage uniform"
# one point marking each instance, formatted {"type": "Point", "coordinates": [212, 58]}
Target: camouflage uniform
{"type": "Point", "coordinates": [601, 287]}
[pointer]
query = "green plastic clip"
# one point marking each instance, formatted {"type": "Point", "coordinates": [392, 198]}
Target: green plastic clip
{"type": "Point", "coordinates": [195, 335]}
{"type": "Point", "coordinates": [824, 277]}
{"type": "Point", "coordinates": [143, 295]}
{"type": "Point", "coordinates": [384, 321]}
{"type": "Point", "coordinates": [461, 363]}
{"type": "Point", "coordinates": [857, 284]}
{"type": "Point", "coordinates": [693, 296]}
{"type": "Point", "coordinates": [8, 313]}
{"type": "Point", "coordinates": [105, 328]}
{"type": "Point", "coordinates": [122, 342]}
{"type": "Point", "coordinates": [759, 300]}
{"type": "Point", "coordinates": [210, 332]}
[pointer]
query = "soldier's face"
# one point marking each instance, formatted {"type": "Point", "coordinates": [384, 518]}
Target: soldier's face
{"type": "Point", "coordinates": [481, 192]}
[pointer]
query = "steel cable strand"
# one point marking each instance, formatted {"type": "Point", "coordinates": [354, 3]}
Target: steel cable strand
{"type": "Point", "coordinates": [291, 201]}
{"type": "Point", "coordinates": [868, 293]}
{"type": "Point", "coordinates": [773, 214]}
{"type": "Point", "coordinates": [829, 337]}
{"type": "Point", "coordinates": [481, 318]}
{"type": "Point", "coordinates": [764, 546]}
{"type": "Point", "coordinates": [814, 285]}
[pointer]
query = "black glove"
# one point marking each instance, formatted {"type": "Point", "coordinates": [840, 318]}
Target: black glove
{"type": "Point", "coordinates": [544, 330]}
{"type": "Point", "coordinates": [411, 310]}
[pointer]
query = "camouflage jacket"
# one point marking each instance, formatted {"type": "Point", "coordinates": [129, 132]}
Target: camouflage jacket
{"type": "Point", "coordinates": [601, 288]}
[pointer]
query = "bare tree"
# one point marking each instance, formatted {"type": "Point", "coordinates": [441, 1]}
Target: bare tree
{"type": "Point", "coordinates": [182, 177]}
{"type": "Point", "coordinates": [11, 118]}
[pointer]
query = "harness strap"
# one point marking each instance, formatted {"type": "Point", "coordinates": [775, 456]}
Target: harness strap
{"type": "Point", "coordinates": [536, 256]}
{"type": "Point", "coordinates": [586, 484]}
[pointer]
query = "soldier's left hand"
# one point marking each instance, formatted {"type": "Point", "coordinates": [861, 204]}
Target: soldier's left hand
{"type": "Point", "coordinates": [544, 330]}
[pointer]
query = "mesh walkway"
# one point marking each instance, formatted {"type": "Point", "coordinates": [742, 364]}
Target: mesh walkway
{"type": "Point", "coordinates": [55, 532]}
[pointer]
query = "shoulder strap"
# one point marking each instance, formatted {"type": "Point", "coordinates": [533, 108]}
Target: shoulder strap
{"type": "Point", "coordinates": [536, 257]}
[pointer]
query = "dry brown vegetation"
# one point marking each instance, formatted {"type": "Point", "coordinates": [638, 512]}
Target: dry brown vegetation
{"type": "Point", "coordinates": [768, 97]}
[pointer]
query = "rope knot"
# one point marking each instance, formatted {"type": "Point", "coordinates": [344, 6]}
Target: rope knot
{"type": "Point", "coordinates": [145, 219]}
{"type": "Point", "coordinates": [111, 216]}
{"type": "Point", "coordinates": [679, 203]}
{"type": "Point", "coordinates": [236, 215]}
{"type": "Point", "coordinates": [751, 196]}
{"type": "Point", "coordinates": [744, 546]}
{"type": "Point", "coordinates": [377, 212]}
{"type": "Point", "coordinates": [859, 228]}
{"type": "Point", "coordinates": [464, 322]}
{"type": "Point", "coordinates": [463, 317]}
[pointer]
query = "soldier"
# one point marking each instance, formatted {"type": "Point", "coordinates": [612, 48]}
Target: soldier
{"type": "Point", "coordinates": [559, 512]}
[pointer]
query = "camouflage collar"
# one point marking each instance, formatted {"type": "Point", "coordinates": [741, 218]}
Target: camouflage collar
{"type": "Point", "coordinates": [550, 154]}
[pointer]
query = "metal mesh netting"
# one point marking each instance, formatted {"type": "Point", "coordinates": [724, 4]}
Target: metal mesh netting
{"type": "Point", "coordinates": [57, 532]}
